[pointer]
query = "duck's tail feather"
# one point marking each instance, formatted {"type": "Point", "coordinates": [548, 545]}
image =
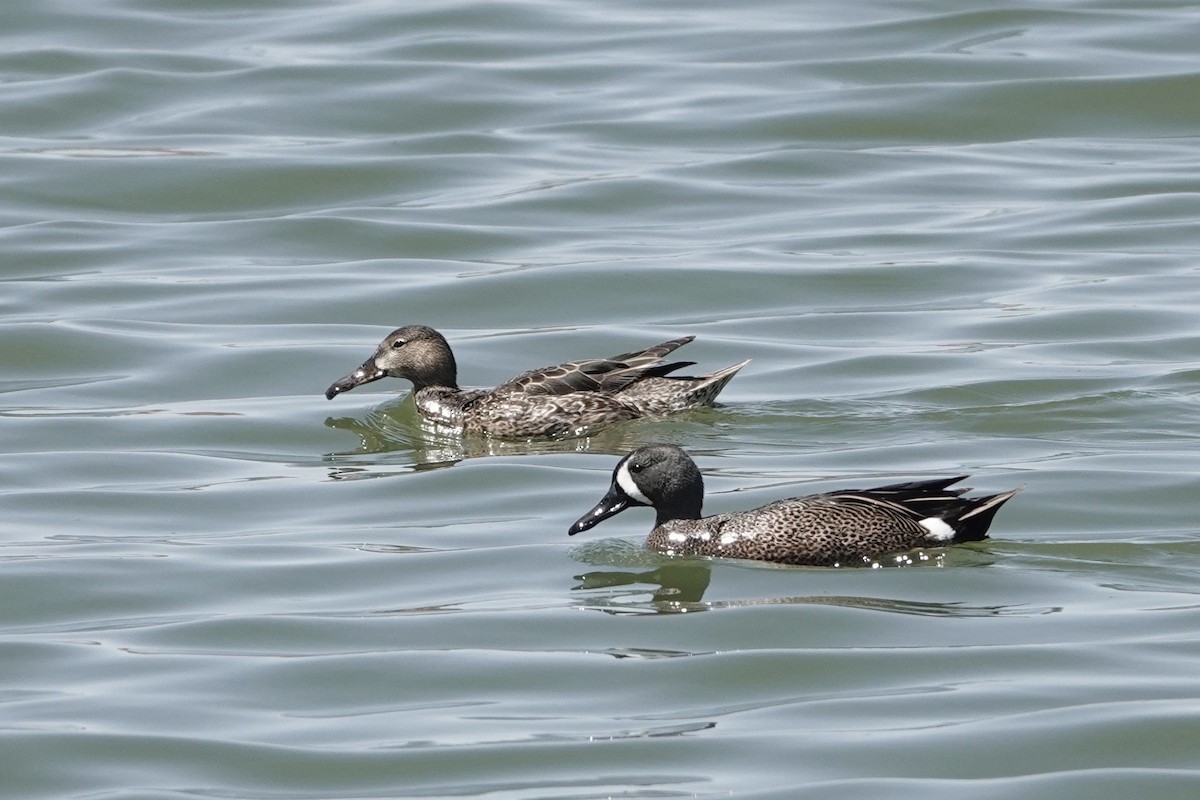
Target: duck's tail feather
{"type": "Point", "coordinates": [972, 524]}
{"type": "Point", "coordinates": [706, 388]}
{"type": "Point", "coordinates": [658, 393]}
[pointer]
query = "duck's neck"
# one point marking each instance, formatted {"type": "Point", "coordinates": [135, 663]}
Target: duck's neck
{"type": "Point", "coordinates": [441, 374]}
{"type": "Point", "coordinates": [681, 511]}
{"type": "Point", "coordinates": [441, 383]}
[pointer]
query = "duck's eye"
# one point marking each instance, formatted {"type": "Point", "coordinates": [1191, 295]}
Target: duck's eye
{"type": "Point", "coordinates": [398, 344]}
{"type": "Point", "coordinates": [634, 466]}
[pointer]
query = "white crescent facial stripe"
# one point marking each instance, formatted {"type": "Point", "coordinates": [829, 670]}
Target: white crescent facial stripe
{"type": "Point", "coordinates": [938, 529]}
{"type": "Point", "coordinates": [625, 481]}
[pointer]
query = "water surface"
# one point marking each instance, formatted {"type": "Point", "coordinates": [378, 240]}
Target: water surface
{"type": "Point", "coordinates": [951, 240]}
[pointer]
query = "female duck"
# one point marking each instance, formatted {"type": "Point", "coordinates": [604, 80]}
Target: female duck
{"type": "Point", "coordinates": [569, 399]}
{"type": "Point", "coordinates": [829, 529]}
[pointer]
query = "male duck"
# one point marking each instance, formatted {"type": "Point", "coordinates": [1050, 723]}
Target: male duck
{"type": "Point", "coordinates": [569, 399]}
{"type": "Point", "coordinates": [828, 529]}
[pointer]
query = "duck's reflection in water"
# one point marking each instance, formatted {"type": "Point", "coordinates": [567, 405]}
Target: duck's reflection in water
{"type": "Point", "coordinates": [650, 583]}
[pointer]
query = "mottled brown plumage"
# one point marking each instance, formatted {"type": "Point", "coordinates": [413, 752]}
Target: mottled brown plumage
{"type": "Point", "coordinates": [569, 399]}
{"type": "Point", "coordinates": [833, 528]}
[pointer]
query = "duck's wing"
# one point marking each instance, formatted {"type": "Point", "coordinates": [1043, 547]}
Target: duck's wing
{"type": "Point", "coordinates": [943, 512]}
{"type": "Point", "coordinates": [913, 497]}
{"type": "Point", "coordinates": [610, 374]}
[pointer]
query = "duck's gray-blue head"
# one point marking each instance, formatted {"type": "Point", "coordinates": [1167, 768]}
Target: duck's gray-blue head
{"type": "Point", "coordinates": [661, 476]}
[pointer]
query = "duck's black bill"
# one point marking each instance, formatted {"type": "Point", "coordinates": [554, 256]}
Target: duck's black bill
{"type": "Point", "coordinates": [365, 374]}
{"type": "Point", "coordinates": [611, 504]}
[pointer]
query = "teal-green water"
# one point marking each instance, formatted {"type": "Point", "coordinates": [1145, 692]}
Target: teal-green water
{"type": "Point", "coordinates": [952, 240]}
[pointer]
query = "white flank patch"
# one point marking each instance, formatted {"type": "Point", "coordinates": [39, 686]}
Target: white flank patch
{"type": "Point", "coordinates": [625, 481]}
{"type": "Point", "coordinates": [938, 529]}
